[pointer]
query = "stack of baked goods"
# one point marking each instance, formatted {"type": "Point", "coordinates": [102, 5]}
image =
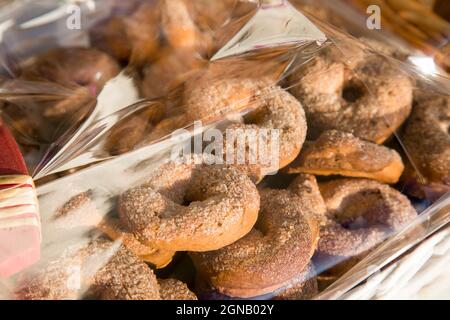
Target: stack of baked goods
{"type": "Point", "coordinates": [208, 230]}
{"type": "Point", "coordinates": [157, 43]}
{"type": "Point", "coordinates": [249, 235]}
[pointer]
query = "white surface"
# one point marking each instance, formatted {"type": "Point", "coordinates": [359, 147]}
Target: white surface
{"type": "Point", "coordinates": [422, 274]}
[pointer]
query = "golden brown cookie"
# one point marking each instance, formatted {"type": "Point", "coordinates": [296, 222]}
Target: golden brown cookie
{"type": "Point", "coordinates": [168, 71]}
{"type": "Point", "coordinates": [125, 277]}
{"type": "Point", "coordinates": [366, 95]}
{"type": "Point", "coordinates": [340, 153]}
{"type": "Point", "coordinates": [189, 207]}
{"type": "Point", "coordinates": [179, 28]}
{"type": "Point", "coordinates": [278, 113]}
{"type": "Point", "coordinates": [361, 214]}
{"type": "Point", "coordinates": [155, 257]}
{"type": "Point", "coordinates": [66, 82]}
{"type": "Point", "coordinates": [172, 289]}
{"type": "Point", "coordinates": [427, 143]}
{"type": "Point", "coordinates": [269, 257]}
{"type": "Point", "coordinates": [105, 269]}
{"type": "Point", "coordinates": [77, 211]}
{"type": "Point", "coordinates": [209, 95]}
{"type": "Point", "coordinates": [301, 287]}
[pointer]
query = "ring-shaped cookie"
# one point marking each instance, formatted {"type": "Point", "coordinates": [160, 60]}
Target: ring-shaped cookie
{"type": "Point", "coordinates": [272, 254]}
{"type": "Point", "coordinates": [188, 207]}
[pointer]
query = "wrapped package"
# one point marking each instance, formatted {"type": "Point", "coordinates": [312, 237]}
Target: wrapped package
{"type": "Point", "coordinates": [217, 149]}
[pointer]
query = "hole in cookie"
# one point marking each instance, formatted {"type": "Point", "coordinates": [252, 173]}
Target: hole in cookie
{"type": "Point", "coordinates": [352, 92]}
{"type": "Point", "coordinates": [361, 210]}
{"type": "Point", "coordinates": [358, 223]}
{"type": "Point", "coordinates": [186, 202]}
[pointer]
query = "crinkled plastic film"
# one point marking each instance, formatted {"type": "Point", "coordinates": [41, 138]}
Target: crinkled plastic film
{"type": "Point", "coordinates": [90, 140]}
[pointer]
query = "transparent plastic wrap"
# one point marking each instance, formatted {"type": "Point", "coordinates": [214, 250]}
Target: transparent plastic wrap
{"type": "Point", "coordinates": [421, 28]}
{"type": "Point", "coordinates": [383, 24]}
{"type": "Point", "coordinates": [259, 153]}
{"type": "Point", "coordinates": [425, 25]}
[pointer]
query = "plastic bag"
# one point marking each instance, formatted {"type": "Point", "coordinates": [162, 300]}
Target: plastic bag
{"type": "Point", "coordinates": [156, 120]}
{"type": "Point", "coordinates": [397, 23]}
{"type": "Point", "coordinates": [424, 26]}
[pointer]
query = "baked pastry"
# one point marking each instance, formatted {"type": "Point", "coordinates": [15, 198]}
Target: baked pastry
{"type": "Point", "coordinates": [365, 95]}
{"type": "Point", "coordinates": [271, 255]}
{"type": "Point", "coordinates": [427, 143]}
{"type": "Point", "coordinates": [172, 289]}
{"type": "Point", "coordinates": [132, 34]}
{"type": "Point", "coordinates": [223, 207]}
{"type": "Point", "coordinates": [340, 153]}
{"type": "Point", "coordinates": [361, 214]}
{"type": "Point", "coordinates": [277, 112]}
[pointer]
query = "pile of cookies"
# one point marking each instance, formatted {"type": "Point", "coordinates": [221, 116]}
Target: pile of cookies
{"type": "Point", "coordinates": [235, 231]}
{"type": "Point", "coordinates": [157, 43]}
{"type": "Point", "coordinates": [248, 235]}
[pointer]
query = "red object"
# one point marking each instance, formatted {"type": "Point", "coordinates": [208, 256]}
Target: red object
{"type": "Point", "coordinates": [11, 161]}
{"type": "Point", "coordinates": [19, 213]}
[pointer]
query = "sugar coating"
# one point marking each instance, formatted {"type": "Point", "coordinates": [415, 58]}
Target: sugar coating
{"type": "Point", "coordinates": [266, 259]}
{"type": "Point", "coordinates": [278, 110]}
{"type": "Point", "coordinates": [361, 214]}
{"type": "Point", "coordinates": [126, 277]}
{"type": "Point", "coordinates": [223, 206]}
{"type": "Point", "coordinates": [99, 267]}
{"type": "Point", "coordinates": [367, 97]}
{"type": "Point", "coordinates": [305, 186]}
{"type": "Point", "coordinates": [427, 138]}
{"type": "Point", "coordinates": [210, 97]}
{"type": "Point", "coordinates": [50, 281]}
{"type": "Point", "coordinates": [340, 153]}
{"type": "Point", "coordinates": [82, 201]}
{"type": "Point", "coordinates": [67, 274]}
{"type": "Point", "coordinates": [82, 71]}
{"type": "Point", "coordinates": [78, 212]}
{"type": "Point", "coordinates": [172, 289]}
{"type": "Point", "coordinates": [154, 256]}
{"type": "Point", "coordinates": [74, 203]}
